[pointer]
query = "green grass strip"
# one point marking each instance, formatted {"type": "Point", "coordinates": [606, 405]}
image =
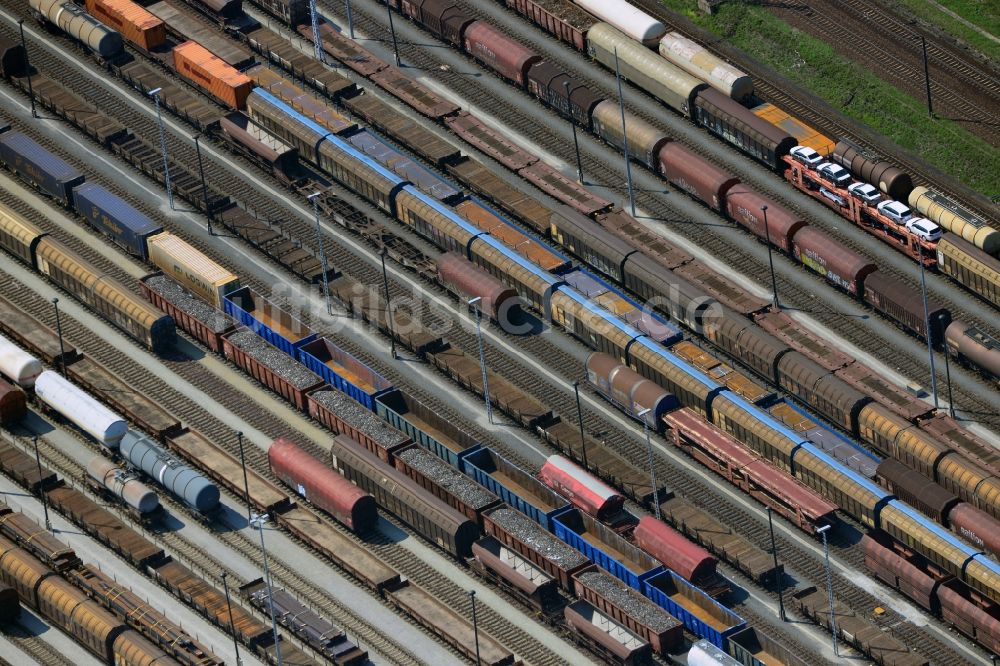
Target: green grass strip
{"type": "Point", "coordinates": [985, 14]}
{"type": "Point", "coordinates": [859, 94]}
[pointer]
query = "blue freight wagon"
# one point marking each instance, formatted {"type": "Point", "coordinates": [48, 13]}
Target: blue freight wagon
{"type": "Point", "coordinates": [426, 427]}
{"type": "Point", "coordinates": [344, 372]}
{"type": "Point", "coordinates": [514, 486]}
{"type": "Point", "coordinates": [267, 320]}
{"type": "Point", "coordinates": [115, 218]}
{"type": "Point", "coordinates": [605, 548]}
{"type": "Point", "coordinates": [39, 167]}
{"type": "Point", "coordinates": [701, 614]}
{"type": "Point", "coordinates": [386, 155]}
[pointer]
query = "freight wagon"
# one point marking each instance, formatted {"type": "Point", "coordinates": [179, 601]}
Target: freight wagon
{"type": "Point", "coordinates": [514, 486]}
{"type": "Point", "coordinates": [426, 427]}
{"type": "Point", "coordinates": [605, 636]}
{"type": "Point", "coordinates": [701, 615]}
{"type": "Point", "coordinates": [397, 493]}
{"type": "Point", "coordinates": [270, 366]}
{"type": "Point", "coordinates": [344, 372]}
{"type": "Point", "coordinates": [605, 548]}
{"type": "Point", "coordinates": [516, 575]}
{"type": "Point", "coordinates": [114, 218]}
{"type": "Point", "coordinates": [274, 325]}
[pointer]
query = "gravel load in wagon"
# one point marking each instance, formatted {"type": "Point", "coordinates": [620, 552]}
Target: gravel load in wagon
{"type": "Point", "coordinates": [273, 358]}
{"type": "Point", "coordinates": [184, 301]}
{"type": "Point", "coordinates": [352, 412]}
{"type": "Point", "coordinates": [465, 489]}
{"type": "Point", "coordinates": [531, 534]}
{"type": "Point", "coordinates": [616, 592]}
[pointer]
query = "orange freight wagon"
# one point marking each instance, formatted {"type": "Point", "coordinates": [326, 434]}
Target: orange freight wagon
{"type": "Point", "coordinates": [135, 24]}
{"type": "Point", "coordinates": [210, 73]}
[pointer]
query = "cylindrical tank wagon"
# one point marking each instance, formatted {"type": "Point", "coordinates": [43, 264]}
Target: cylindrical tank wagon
{"type": "Point", "coordinates": [18, 365]}
{"type": "Point", "coordinates": [76, 22]}
{"type": "Point", "coordinates": [81, 409]}
{"type": "Point", "coordinates": [176, 476]}
{"type": "Point", "coordinates": [123, 484]}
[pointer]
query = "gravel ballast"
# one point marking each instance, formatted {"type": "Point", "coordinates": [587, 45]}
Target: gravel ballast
{"type": "Point", "coordinates": [187, 302]}
{"type": "Point", "coordinates": [356, 415]}
{"type": "Point", "coordinates": [465, 489]}
{"type": "Point", "coordinates": [629, 601]}
{"type": "Point", "coordinates": [531, 534]}
{"type": "Point", "coordinates": [274, 359]}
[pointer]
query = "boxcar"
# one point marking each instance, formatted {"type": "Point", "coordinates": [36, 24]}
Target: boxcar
{"type": "Point", "coordinates": [40, 168]}
{"type": "Point", "coordinates": [500, 53]}
{"type": "Point", "coordinates": [905, 306]}
{"type": "Point", "coordinates": [397, 493]}
{"type": "Point", "coordinates": [970, 266]}
{"type": "Point", "coordinates": [115, 218]}
{"type": "Point", "coordinates": [736, 124]}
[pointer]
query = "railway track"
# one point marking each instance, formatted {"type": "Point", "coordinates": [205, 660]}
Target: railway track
{"type": "Point", "coordinates": [527, 375]}
{"type": "Point", "coordinates": [35, 646]}
{"type": "Point", "coordinates": [816, 112]}
{"type": "Point", "coordinates": [876, 37]}
{"type": "Point", "coordinates": [794, 293]}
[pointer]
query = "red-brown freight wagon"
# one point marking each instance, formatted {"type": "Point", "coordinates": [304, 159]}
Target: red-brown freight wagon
{"type": "Point", "coordinates": [745, 207]}
{"type": "Point", "coordinates": [271, 367]}
{"type": "Point", "coordinates": [191, 314]}
{"type": "Point", "coordinates": [820, 253]}
{"type": "Point", "coordinates": [499, 52]}
{"type": "Point", "coordinates": [13, 405]}
{"type": "Point", "coordinates": [322, 486]}
{"type": "Point", "coordinates": [697, 176]}
{"type": "Point", "coordinates": [560, 18]}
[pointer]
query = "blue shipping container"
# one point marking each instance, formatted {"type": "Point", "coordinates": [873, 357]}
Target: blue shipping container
{"type": "Point", "coordinates": [534, 500]}
{"type": "Point", "coordinates": [115, 218]}
{"type": "Point", "coordinates": [426, 427]}
{"type": "Point", "coordinates": [680, 598]}
{"type": "Point", "coordinates": [267, 320]}
{"type": "Point", "coordinates": [617, 556]}
{"type": "Point", "coordinates": [342, 371]}
{"type": "Point", "coordinates": [39, 167]}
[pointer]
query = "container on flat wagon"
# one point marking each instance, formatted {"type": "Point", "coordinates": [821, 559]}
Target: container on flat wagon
{"type": "Point", "coordinates": [650, 622]}
{"type": "Point", "coordinates": [841, 266]}
{"type": "Point", "coordinates": [115, 218]}
{"type": "Point", "coordinates": [425, 426]}
{"type": "Point", "coordinates": [13, 404]}
{"type": "Point", "coordinates": [745, 206]}
{"type": "Point", "coordinates": [514, 486]}
{"type": "Point", "coordinates": [83, 410]}
{"type": "Point", "coordinates": [605, 548]}
{"type": "Point", "coordinates": [135, 24]}
{"type": "Point", "coordinates": [123, 484]}
{"type": "Point", "coordinates": [583, 489]}
{"type": "Point", "coordinates": [803, 134]}
{"type": "Point", "coordinates": [343, 371]}
{"type": "Point", "coordinates": [179, 478]}
{"type": "Point", "coordinates": [698, 61]}
{"type": "Point", "coordinates": [18, 365]}
{"type": "Point", "coordinates": [694, 174]}
{"type": "Point", "coordinates": [267, 320]}
{"type": "Point", "coordinates": [192, 269]}
{"type": "Point", "coordinates": [530, 540]}
{"type": "Point", "coordinates": [956, 218]}
{"type": "Point", "coordinates": [39, 167]}
{"type": "Point", "coordinates": [503, 55]}
{"type": "Point", "coordinates": [210, 73]}
{"type": "Point", "coordinates": [322, 486]}
{"type": "Point", "coordinates": [701, 614]}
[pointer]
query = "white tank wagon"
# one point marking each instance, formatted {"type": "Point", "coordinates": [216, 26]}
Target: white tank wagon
{"type": "Point", "coordinates": [187, 483]}
{"type": "Point", "coordinates": [84, 411]}
{"type": "Point", "coordinates": [18, 365]}
{"type": "Point", "coordinates": [634, 22]}
{"type": "Point", "coordinates": [698, 61]}
{"type": "Point", "coordinates": [80, 25]}
{"type": "Point", "coordinates": [705, 653]}
{"type": "Point", "coordinates": [123, 484]}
